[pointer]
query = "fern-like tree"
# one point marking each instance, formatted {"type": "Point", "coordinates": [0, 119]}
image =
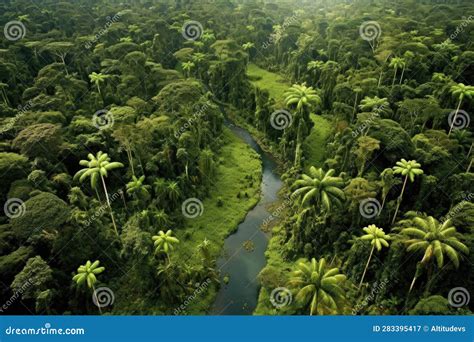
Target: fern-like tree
{"type": "Point", "coordinates": [319, 287]}
{"type": "Point", "coordinates": [304, 99]}
{"type": "Point", "coordinates": [86, 274]}
{"type": "Point", "coordinates": [397, 63]}
{"type": "Point", "coordinates": [409, 169]}
{"type": "Point", "coordinates": [435, 240]}
{"type": "Point", "coordinates": [319, 188]}
{"type": "Point", "coordinates": [164, 242]}
{"type": "Point", "coordinates": [378, 239]}
{"type": "Point", "coordinates": [98, 167]}
{"type": "Point", "coordinates": [461, 91]}
{"type": "Point", "coordinates": [137, 189]}
{"type": "Point", "coordinates": [97, 79]}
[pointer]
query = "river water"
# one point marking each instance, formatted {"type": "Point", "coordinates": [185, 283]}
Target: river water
{"type": "Point", "coordinates": [240, 266]}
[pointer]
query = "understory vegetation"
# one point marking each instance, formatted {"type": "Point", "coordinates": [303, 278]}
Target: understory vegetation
{"type": "Point", "coordinates": [121, 176]}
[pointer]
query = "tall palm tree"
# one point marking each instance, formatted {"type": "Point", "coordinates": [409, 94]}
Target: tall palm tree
{"type": "Point", "coordinates": [164, 242]}
{"type": "Point", "coordinates": [378, 239]}
{"type": "Point", "coordinates": [409, 169]}
{"type": "Point", "coordinates": [173, 192]}
{"type": "Point", "coordinates": [396, 63]}
{"type": "Point", "coordinates": [304, 99]}
{"type": "Point", "coordinates": [98, 166]}
{"type": "Point", "coordinates": [319, 288]}
{"type": "Point", "coordinates": [461, 91]}
{"type": "Point", "coordinates": [302, 96]}
{"type": "Point", "coordinates": [97, 79]}
{"type": "Point", "coordinates": [86, 274]}
{"type": "Point", "coordinates": [435, 239]}
{"type": "Point", "coordinates": [319, 188]}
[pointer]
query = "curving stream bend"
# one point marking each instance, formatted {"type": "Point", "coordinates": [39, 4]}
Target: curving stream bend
{"type": "Point", "coordinates": [239, 296]}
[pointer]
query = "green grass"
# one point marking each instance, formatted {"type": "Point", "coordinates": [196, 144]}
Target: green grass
{"type": "Point", "coordinates": [240, 171]}
{"type": "Point", "coordinates": [275, 84]}
{"type": "Point", "coordinates": [315, 144]}
{"type": "Point", "coordinates": [278, 273]}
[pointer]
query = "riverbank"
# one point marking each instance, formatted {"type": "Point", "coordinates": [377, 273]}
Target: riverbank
{"type": "Point", "coordinates": [237, 187]}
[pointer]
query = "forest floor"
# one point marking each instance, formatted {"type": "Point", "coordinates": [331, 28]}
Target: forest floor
{"type": "Point", "coordinates": [275, 84]}
{"type": "Point", "coordinates": [239, 172]}
{"type": "Point", "coordinates": [314, 146]}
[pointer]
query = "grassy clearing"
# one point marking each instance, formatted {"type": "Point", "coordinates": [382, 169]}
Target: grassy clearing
{"type": "Point", "coordinates": [240, 171]}
{"type": "Point", "coordinates": [315, 144]}
{"type": "Point", "coordinates": [275, 84]}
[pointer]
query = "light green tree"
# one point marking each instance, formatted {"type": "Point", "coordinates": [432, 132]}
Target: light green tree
{"type": "Point", "coordinates": [98, 167]}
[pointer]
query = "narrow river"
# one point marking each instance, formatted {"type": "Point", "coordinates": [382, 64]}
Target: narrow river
{"type": "Point", "coordinates": [239, 265]}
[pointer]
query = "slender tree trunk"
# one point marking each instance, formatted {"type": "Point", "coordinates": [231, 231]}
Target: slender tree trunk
{"type": "Point", "coordinates": [394, 77]}
{"type": "Point", "coordinates": [412, 283]}
{"type": "Point", "coordinates": [380, 78]}
{"type": "Point", "coordinates": [96, 299]}
{"type": "Point", "coordinates": [470, 165]}
{"type": "Point", "coordinates": [110, 207]}
{"type": "Point", "coordinates": [354, 109]}
{"type": "Point", "coordinates": [366, 266]}
{"type": "Point", "coordinates": [400, 199]}
{"type": "Point", "coordinates": [401, 78]}
{"type": "Point", "coordinates": [383, 203]}
{"type": "Point", "coordinates": [455, 116]}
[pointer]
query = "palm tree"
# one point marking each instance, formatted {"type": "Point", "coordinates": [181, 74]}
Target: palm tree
{"type": "Point", "coordinates": [409, 169]}
{"type": "Point", "coordinates": [315, 66]}
{"type": "Point", "coordinates": [173, 192]}
{"type": "Point", "coordinates": [436, 239]}
{"type": "Point", "coordinates": [461, 91]}
{"type": "Point", "coordinates": [302, 96]}
{"type": "Point", "coordinates": [164, 242]}
{"type": "Point", "coordinates": [319, 187]}
{"type": "Point", "coordinates": [397, 63]}
{"type": "Point", "coordinates": [373, 104]}
{"type": "Point", "coordinates": [319, 288]}
{"type": "Point", "coordinates": [388, 181]}
{"type": "Point", "coordinates": [378, 239]}
{"type": "Point", "coordinates": [187, 66]}
{"type": "Point", "coordinates": [97, 79]}
{"type": "Point", "coordinates": [87, 274]}
{"type": "Point", "coordinates": [138, 189]}
{"type": "Point", "coordinates": [98, 166]}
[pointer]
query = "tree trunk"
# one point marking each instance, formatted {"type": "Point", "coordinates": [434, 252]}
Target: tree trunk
{"type": "Point", "coordinates": [401, 77]}
{"type": "Point", "coordinates": [412, 283]}
{"type": "Point", "coordinates": [366, 266]}
{"type": "Point", "coordinates": [470, 165]}
{"type": "Point", "coordinates": [354, 109]}
{"type": "Point", "coordinates": [400, 199]}
{"type": "Point", "coordinates": [96, 299]}
{"type": "Point", "coordinates": [394, 77]}
{"type": "Point", "coordinates": [455, 116]}
{"type": "Point", "coordinates": [110, 207]}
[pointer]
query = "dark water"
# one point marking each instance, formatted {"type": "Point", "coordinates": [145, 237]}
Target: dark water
{"type": "Point", "coordinates": [239, 296]}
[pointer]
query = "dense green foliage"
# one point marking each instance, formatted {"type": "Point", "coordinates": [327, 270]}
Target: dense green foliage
{"type": "Point", "coordinates": [114, 150]}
